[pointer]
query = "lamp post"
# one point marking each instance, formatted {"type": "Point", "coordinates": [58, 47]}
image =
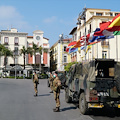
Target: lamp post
{"type": "Point", "coordinates": [61, 41]}
{"type": "Point", "coordinates": [15, 54]}
{"type": "Point", "coordinates": [82, 16]}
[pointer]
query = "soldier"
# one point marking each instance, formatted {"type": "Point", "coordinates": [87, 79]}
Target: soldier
{"type": "Point", "coordinates": [56, 89]}
{"type": "Point", "coordinates": [36, 82]}
{"type": "Point", "coordinates": [51, 82]}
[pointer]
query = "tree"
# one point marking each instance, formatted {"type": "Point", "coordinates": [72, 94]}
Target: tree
{"type": "Point", "coordinates": [67, 67]}
{"type": "Point", "coordinates": [6, 52]}
{"type": "Point", "coordinates": [40, 51]}
{"type": "Point", "coordinates": [23, 51]}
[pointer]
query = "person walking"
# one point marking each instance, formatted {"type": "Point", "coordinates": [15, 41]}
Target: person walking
{"type": "Point", "coordinates": [36, 82]}
{"type": "Point", "coordinates": [56, 89]}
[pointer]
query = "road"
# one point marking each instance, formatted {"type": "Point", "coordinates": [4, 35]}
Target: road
{"type": "Point", "coordinates": [18, 103]}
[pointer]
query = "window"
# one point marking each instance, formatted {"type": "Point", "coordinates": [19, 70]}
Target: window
{"type": "Point", "coordinates": [16, 40]}
{"type": "Point", "coordinates": [80, 34]}
{"type": "Point", "coordinates": [16, 50]}
{"type": "Point", "coordinates": [116, 14]}
{"type": "Point", "coordinates": [65, 58]}
{"type": "Point", "coordinates": [111, 14]}
{"type": "Point", "coordinates": [65, 48]}
{"type": "Point", "coordinates": [6, 40]}
{"type": "Point", "coordinates": [104, 54]}
{"type": "Point", "coordinates": [16, 60]}
{"type": "Point", "coordinates": [98, 14]}
{"type": "Point", "coordinates": [75, 36]}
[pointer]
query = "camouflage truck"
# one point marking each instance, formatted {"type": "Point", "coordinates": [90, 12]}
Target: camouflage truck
{"type": "Point", "coordinates": [94, 84]}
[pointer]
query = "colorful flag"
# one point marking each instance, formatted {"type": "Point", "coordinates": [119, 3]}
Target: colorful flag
{"type": "Point", "coordinates": [69, 45]}
{"type": "Point", "coordinates": [73, 50]}
{"type": "Point", "coordinates": [107, 28]}
{"type": "Point", "coordinates": [117, 33]}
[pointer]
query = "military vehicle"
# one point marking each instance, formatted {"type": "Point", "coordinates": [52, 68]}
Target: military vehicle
{"type": "Point", "coordinates": [94, 84]}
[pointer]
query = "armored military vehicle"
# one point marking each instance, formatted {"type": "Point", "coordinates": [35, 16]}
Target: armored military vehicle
{"type": "Point", "coordinates": [94, 84]}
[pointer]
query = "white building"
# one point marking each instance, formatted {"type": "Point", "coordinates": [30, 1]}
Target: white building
{"type": "Point", "coordinates": [13, 40]}
{"type": "Point", "coordinates": [110, 48]}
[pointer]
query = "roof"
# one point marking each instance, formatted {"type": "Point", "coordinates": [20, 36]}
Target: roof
{"type": "Point", "coordinates": [38, 31]}
{"type": "Point", "coordinates": [67, 39]}
{"type": "Point", "coordinates": [73, 30]}
{"type": "Point", "coordinates": [29, 36]}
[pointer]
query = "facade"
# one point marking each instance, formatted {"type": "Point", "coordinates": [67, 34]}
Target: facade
{"type": "Point", "coordinates": [39, 40]}
{"type": "Point", "coordinates": [108, 48]}
{"type": "Point", "coordinates": [13, 40]}
{"type": "Point", "coordinates": [74, 38]}
{"type": "Point", "coordinates": [58, 55]}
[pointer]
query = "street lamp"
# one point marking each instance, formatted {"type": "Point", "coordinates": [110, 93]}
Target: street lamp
{"type": "Point", "coordinates": [15, 54]}
{"type": "Point", "coordinates": [82, 16]}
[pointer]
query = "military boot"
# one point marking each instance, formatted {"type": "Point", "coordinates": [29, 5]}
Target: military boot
{"type": "Point", "coordinates": [54, 109]}
{"type": "Point", "coordinates": [57, 109]}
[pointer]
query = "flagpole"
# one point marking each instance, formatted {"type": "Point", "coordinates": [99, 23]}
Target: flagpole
{"type": "Point", "coordinates": [97, 50]}
{"type": "Point", "coordinates": [109, 51]}
{"type": "Point", "coordinates": [116, 48]}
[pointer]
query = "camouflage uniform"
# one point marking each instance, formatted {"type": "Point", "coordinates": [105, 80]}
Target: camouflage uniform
{"type": "Point", "coordinates": [51, 79]}
{"type": "Point", "coordinates": [36, 82]}
{"type": "Point", "coordinates": [56, 89]}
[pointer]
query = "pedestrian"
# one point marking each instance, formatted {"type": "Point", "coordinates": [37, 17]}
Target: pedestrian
{"type": "Point", "coordinates": [36, 82]}
{"type": "Point", "coordinates": [56, 89]}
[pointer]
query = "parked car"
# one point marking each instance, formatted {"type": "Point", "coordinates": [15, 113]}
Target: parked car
{"type": "Point", "coordinates": [94, 84]}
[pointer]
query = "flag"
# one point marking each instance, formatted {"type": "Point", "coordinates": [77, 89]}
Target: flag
{"type": "Point", "coordinates": [69, 45]}
{"type": "Point", "coordinates": [117, 33]}
{"type": "Point", "coordinates": [115, 24]}
{"type": "Point", "coordinates": [79, 42]}
{"type": "Point", "coordinates": [73, 50]}
{"type": "Point", "coordinates": [107, 28]}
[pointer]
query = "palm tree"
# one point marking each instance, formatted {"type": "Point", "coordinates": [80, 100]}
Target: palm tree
{"type": "Point", "coordinates": [7, 52]}
{"type": "Point", "coordinates": [2, 47]}
{"type": "Point", "coordinates": [35, 50]}
{"type": "Point", "coordinates": [23, 51]}
{"type": "Point", "coordinates": [40, 51]}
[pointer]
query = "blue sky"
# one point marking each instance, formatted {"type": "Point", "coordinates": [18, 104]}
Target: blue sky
{"type": "Point", "coordinates": [53, 17]}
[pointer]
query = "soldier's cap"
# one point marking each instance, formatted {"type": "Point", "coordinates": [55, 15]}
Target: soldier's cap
{"type": "Point", "coordinates": [56, 72]}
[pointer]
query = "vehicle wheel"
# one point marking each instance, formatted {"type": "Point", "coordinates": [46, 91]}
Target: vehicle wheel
{"type": "Point", "coordinates": [118, 84]}
{"type": "Point", "coordinates": [48, 84]}
{"type": "Point", "coordinates": [83, 106]}
{"type": "Point", "coordinates": [68, 99]}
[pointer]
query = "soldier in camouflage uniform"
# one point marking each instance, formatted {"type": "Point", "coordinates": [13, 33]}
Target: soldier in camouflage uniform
{"type": "Point", "coordinates": [56, 89]}
{"type": "Point", "coordinates": [36, 82]}
{"type": "Point", "coordinates": [51, 79]}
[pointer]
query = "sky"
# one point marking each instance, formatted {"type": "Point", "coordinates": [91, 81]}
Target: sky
{"type": "Point", "coordinates": [53, 17]}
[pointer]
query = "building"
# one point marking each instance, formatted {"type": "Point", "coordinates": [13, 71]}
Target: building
{"type": "Point", "coordinates": [74, 38]}
{"type": "Point", "coordinates": [13, 40]}
{"type": "Point", "coordinates": [89, 20]}
{"type": "Point", "coordinates": [39, 40]}
{"type": "Point", "coordinates": [58, 55]}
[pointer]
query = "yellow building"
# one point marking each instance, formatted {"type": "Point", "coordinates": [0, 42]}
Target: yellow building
{"type": "Point", "coordinates": [58, 55]}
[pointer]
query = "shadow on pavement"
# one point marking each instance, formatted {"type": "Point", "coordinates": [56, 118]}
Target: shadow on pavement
{"type": "Point", "coordinates": [68, 108]}
{"type": "Point", "coordinates": [44, 95]}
